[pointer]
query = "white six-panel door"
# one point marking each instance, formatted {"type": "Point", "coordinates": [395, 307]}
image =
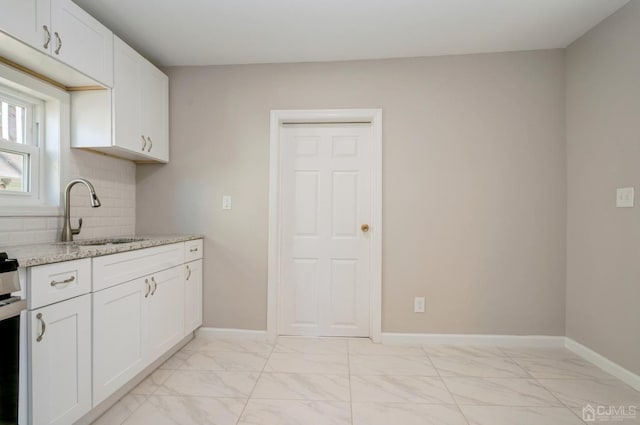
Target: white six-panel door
{"type": "Point", "coordinates": [325, 258]}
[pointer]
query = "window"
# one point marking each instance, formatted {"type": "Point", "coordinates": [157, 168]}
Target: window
{"type": "Point", "coordinates": [34, 144]}
{"type": "Point", "coordinates": [20, 147]}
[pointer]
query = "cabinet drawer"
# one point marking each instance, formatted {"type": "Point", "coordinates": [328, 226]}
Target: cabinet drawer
{"type": "Point", "coordinates": [51, 283]}
{"type": "Point", "coordinates": [193, 250]}
{"type": "Point", "coordinates": [113, 269]}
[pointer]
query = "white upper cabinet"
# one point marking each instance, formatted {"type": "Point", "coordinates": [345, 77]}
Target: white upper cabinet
{"type": "Point", "coordinates": [28, 21]}
{"type": "Point", "coordinates": [140, 104]}
{"type": "Point", "coordinates": [132, 120]}
{"type": "Point", "coordinates": [61, 29]}
{"type": "Point", "coordinates": [81, 41]}
{"type": "Point", "coordinates": [127, 99]}
{"type": "Point", "coordinates": [155, 111]}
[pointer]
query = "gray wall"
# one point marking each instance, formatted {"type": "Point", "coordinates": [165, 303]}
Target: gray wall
{"type": "Point", "coordinates": [474, 184]}
{"type": "Point", "coordinates": [603, 150]}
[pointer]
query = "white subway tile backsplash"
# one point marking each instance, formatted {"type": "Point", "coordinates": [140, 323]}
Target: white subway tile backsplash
{"type": "Point", "coordinates": [10, 224]}
{"type": "Point", "coordinates": [54, 223]}
{"type": "Point", "coordinates": [34, 223]}
{"type": "Point", "coordinates": [22, 237]}
{"type": "Point", "coordinates": [47, 235]}
{"type": "Point", "coordinates": [115, 183]}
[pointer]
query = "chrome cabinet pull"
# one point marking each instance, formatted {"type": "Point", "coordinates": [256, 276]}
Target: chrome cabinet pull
{"type": "Point", "coordinates": [148, 288]}
{"type": "Point", "coordinates": [144, 143]}
{"type": "Point", "coordinates": [46, 43]}
{"type": "Point", "coordinates": [59, 40]}
{"type": "Point", "coordinates": [188, 272]}
{"type": "Point", "coordinates": [150, 144]}
{"type": "Point", "coordinates": [193, 250]}
{"type": "Point", "coordinates": [155, 286]}
{"type": "Point", "coordinates": [43, 329]}
{"type": "Point", "coordinates": [63, 282]}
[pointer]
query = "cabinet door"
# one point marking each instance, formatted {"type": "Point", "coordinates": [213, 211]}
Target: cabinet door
{"type": "Point", "coordinates": [127, 98]}
{"type": "Point", "coordinates": [60, 355]}
{"type": "Point", "coordinates": [192, 296]}
{"type": "Point", "coordinates": [155, 111]}
{"type": "Point", "coordinates": [26, 21]}
{"type": "Point", "coordinates": [165, 307]}
{"type": "Point", "coordinates": [118, 337]}
{"type": "Point", "coordinates": [82, 42]}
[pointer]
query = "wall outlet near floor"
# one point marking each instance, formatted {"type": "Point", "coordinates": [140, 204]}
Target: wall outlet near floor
{"type": "Point", "coordinates": [226, 202]}
{"type": "Point", "coordinates": [418, 305]}
{"type": "Point", "coordinates": [624, 197]}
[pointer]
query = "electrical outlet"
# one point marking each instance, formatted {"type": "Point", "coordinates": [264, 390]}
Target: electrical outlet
{"type": "Point", "coordinates": [419, 305]}
{"type": "Point", "coordinates": [624, 197]}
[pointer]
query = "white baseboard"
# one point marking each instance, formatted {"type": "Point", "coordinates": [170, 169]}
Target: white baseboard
{"type": "Point", "coordinates": [233, 333]}
{"type": "Point", "coordinates": [604, 363]}
{"type": "Point", "coordinates": [480, 340]}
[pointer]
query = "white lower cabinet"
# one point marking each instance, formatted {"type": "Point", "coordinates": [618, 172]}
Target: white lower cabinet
{"type": "Point", "coordinates": [60, 361]}
{"type": "Point", "coordinates": [118, 337]}
{"type": "Point", "coordinates": [134, 323]}
{"type": "Point", "coordinates": [192, 296]}
{"type": "Point", "coordinates": [165, 311]}
{"type": "Point", "coordinates": [84, 347]}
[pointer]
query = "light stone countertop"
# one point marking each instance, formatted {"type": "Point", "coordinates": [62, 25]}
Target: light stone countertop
{"type": "Point", "coordinates": [55, 252]}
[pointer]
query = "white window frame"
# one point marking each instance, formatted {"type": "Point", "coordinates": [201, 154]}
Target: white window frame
{"type": "Point", "coordinates": [32, 146]}
{"type": "Point", "coordinates": [53, 145]}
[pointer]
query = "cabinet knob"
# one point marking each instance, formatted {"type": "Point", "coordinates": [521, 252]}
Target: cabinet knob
{"type": "Point", "coordinates": [144, 143]}
{"type": "Point", "coordinates": [364, 228]}
{"type": "Point", "coordinates": [150, 144]}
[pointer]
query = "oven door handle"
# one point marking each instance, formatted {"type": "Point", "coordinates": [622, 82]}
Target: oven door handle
{"type": "Point", "coordinates": [13, 309]}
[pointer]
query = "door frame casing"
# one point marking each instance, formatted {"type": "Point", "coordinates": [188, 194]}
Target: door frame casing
{"type": "Point", "coordinates": [328, 116]}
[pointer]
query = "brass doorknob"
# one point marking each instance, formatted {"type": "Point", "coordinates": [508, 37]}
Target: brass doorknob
{"type": "Point", "coordinates": [364, 228]}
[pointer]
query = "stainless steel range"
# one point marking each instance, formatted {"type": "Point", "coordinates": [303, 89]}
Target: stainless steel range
{"type": "Point", "coordinates": [10, 309]}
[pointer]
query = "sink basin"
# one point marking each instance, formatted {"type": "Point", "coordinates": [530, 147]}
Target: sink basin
{"type": "Point", "coordinates": [101, 242]}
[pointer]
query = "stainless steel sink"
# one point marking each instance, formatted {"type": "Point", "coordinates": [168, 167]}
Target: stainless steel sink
{"type": "Point", "coordinates": [112, 241]}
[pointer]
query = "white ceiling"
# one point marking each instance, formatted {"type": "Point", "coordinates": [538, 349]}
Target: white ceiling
{"type": "Point", "coordinates": [215, 32]}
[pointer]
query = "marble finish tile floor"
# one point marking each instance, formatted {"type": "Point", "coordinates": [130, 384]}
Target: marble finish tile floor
{"type": "Point", "coordinates": [338, 381]}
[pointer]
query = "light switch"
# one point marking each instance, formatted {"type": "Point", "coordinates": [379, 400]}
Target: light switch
{"type": "Point", "coordinates": [226, 202]}
{"type": "Point", "coordinates": [418, 305]}
{"type": "Point", "coordinates": [624, 197]}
